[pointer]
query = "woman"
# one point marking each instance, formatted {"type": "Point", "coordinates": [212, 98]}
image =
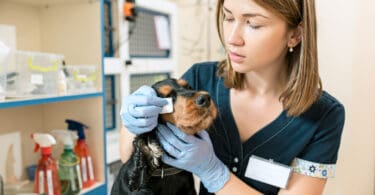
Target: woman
{"type": "Point", "coordinates": [270, 101]}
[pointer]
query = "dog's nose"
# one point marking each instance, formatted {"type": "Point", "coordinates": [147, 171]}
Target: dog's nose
{"type": "Point", "coordinates": [203, 101]}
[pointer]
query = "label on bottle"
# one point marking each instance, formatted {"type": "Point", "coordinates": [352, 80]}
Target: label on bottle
{"type": "Point", "coordinates": [49, 182]}
{"type": "Point", "coordinates": [41, 182]}
{"type": "Point", "coordinates": [79, 177]}
{"type": "Point", "coordinates": [84, 169]}
{"type": "Point", "coordinates": [72, 179]}
{"type": "Point", "coordinates": [91, 169]}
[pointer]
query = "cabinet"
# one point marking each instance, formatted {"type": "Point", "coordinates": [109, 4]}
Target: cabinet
{"type": "Point", "coordinates": [73, 28]}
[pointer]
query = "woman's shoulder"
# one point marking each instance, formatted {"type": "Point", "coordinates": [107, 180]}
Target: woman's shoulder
{"type": "Point", "coordinates": [202, 75]}
{"type": "Point", "coordinates": [210, 66]}
{"type": "Point", "coordinates": [327, 101]}
{"type": "Point", "coordinates": [326, 106]}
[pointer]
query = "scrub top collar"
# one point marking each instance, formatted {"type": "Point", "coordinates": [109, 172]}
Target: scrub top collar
{"type": "Point", "coordinates": [260, 138]}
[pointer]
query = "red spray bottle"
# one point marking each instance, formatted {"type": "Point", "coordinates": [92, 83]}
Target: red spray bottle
{"type": "Point", "coordinates": [82, 150]}
{"type": "Point", "coordinates": [46, 177]}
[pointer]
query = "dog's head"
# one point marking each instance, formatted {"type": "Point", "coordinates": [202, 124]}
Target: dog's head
{"type": "Point", "coordinates": [193, 110]}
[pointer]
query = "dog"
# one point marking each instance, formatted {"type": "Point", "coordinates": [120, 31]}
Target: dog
{"type": "Point", "coordinates": [144, 173]}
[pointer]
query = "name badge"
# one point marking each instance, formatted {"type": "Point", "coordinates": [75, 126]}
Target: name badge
{"type": "Point", "coordinates": [268, 171]}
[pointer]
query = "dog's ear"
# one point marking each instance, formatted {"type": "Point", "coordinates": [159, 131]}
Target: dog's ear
{"type": "Point", "coordinates": [182, 82]}
{"type": "Point", "coordinates": [164, 90]}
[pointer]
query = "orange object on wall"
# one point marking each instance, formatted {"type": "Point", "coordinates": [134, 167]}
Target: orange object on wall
{"type": "Point", "coordinates": [128, 9]}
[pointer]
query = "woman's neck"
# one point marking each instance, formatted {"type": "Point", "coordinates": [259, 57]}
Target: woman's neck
{"type": "Point", "coordinates": [268, 82]}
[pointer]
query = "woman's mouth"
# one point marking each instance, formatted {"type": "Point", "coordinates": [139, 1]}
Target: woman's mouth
{"type": "Point", "coordinates": [237, 58]}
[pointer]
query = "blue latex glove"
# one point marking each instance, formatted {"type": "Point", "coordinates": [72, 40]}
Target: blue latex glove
{"type": "Point", "coordinates": [140, 110]}
{"type": "Point", "coordinates": [193, 154]}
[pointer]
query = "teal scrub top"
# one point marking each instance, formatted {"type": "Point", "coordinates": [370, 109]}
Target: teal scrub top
{"type": "Point", "coordinates": [308, 143]}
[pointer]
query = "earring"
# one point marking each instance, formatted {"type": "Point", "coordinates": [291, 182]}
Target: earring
{"type": "Point", "coordinates": [291, 49]}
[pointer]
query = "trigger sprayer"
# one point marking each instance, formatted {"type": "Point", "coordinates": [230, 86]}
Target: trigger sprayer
{"type": "Point", "coordinates": [46, 177]}
{"type": "Point", "coordinates": [69, 170]}
{"type": "Point", "coordinates": [82, 150]}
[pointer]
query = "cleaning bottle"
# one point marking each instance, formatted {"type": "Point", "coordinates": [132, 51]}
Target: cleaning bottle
{"type": "Point", "coordinates": [46, 177]}
{"type": "Point", "coordinates": [62, 83]}
{"type": "Point", "coordinates": [69, 170]}
{"type": "Point", "coordinates": [82, 150]}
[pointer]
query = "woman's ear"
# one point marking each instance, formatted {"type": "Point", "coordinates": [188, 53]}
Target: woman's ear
{"type": "Point", "coordinates": [295, 36]}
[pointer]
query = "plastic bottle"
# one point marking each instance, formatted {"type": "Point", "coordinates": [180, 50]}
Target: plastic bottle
{"type": "Point", "coordinates": [62, 83]}
{"type": "Point", "coordinates": [69, 170]}
{"type": "Point", "coordinates": [82, 150]}
{"type": "Point", "coordinates": [46, 177]}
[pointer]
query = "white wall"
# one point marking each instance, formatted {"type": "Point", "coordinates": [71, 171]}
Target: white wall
{"type": "Point", "coordinates": [26, 19]}
{"type": "Point", "coordinates": [346, 46]}
{"type": "Point", "coordinates": [197, 35]}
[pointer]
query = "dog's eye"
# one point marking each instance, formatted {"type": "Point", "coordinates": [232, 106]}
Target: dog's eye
{"type": "Point", "coordinates": [172, 94]}
{"type": "Point", "coordinates": [188, 87]}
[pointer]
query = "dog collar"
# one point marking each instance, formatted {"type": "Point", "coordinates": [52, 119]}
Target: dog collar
{"type": "Point", "coordinates": [165, 171]}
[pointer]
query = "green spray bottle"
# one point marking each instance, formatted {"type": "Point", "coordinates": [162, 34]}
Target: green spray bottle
{"type": "Point", "coordinates": [69, 170]}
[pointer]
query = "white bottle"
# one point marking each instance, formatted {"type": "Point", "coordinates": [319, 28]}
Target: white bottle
{"type": "Point", "coordinates": [62, 86]}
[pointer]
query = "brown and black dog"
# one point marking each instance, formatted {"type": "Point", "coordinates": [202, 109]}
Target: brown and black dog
{"type": "Point", "coordinates": [144, 173]}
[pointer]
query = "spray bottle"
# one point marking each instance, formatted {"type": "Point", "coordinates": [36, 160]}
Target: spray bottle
{"type": "Point", "coordinates": [82, 150]}
{"type": "Point", "coordinates": [46, 177]}
{"type": "Point", "coordinates": [69, 170]}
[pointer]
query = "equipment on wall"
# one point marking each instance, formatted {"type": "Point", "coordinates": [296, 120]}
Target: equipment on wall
{"type": "Point", "coordinates": [129, 10]}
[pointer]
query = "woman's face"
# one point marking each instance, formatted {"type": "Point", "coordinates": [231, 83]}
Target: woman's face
{"type": "Point", "coordinates": [255, 38]}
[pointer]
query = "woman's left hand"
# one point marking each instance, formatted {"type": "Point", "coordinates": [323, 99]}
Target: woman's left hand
{"type": "Point", "coordinates": [194, 154]}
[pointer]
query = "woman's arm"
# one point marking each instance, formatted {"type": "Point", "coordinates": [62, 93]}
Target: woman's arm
{"type": "Point", "coordinates": [302, 184]}
{"type": "Point", "coordinates": [236, 186]}
{"type": "Point", "coordinates": [126, 144]}
{"type": "Point", "coordinates": [298, 184]}
{"type": "Point", "coordinates": [196, 154]}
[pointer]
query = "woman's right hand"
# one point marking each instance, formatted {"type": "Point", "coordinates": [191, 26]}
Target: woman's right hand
{"type": "Point", "coordinates": [140, 110]}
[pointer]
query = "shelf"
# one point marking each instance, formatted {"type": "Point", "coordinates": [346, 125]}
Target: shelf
{"type": "Point", "coordinates": [98, 188]}
{"type": "Point", "coordinates": [55, 26]}
{"type": "Point", "coordinates": [48, 2]}
{"type": "Point", "coordinates": [46, 99]}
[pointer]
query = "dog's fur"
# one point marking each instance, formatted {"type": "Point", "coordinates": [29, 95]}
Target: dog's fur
{"type": "Point", "coordinates": [145, 173]}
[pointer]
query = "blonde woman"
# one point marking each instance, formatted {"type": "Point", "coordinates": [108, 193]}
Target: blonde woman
{"type": "Point", "coordinates": [273, 114]}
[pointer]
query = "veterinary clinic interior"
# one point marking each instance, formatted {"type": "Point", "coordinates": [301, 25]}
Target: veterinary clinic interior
{"type": "Point", "coordinates": [67, 65]}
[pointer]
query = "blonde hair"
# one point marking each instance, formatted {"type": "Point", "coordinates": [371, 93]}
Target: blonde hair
{"type": "Point", "coordinates": [304, 86]}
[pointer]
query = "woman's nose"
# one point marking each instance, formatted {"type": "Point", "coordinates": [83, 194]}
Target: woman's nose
{"type": "Point", "coordinates": [235, 36]}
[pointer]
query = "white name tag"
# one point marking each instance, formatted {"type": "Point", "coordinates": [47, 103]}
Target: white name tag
{"type": "Point", "coordinates": [268, 172]}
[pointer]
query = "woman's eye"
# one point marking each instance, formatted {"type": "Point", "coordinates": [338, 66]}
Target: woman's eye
{"type": "Point", "coordinates": [252, 25]}
{"type": "Point", "coordinates": [228, 18]}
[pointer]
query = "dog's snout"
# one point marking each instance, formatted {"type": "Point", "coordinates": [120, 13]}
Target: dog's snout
{"type": "Point", "coordinates": [203, 100]}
